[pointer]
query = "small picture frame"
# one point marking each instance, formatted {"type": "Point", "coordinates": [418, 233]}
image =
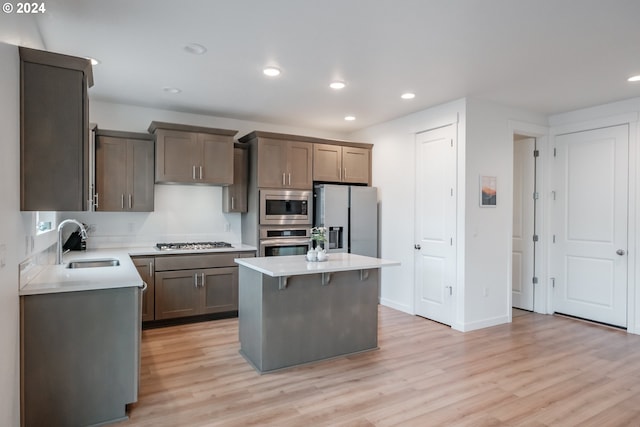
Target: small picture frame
{"type": "Point", "coordinates": [488, 191]}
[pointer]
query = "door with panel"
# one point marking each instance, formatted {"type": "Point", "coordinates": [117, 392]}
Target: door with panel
{"type": "Point", "coordinates": [523, 243]}
{"type": "Point", "coordinates": [435, 225]}
{"type": "Point", "coordinates": [590, 214]}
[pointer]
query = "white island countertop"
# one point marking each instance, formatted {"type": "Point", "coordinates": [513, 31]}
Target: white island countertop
{"type": "Point", "coordinates": [296, 265]}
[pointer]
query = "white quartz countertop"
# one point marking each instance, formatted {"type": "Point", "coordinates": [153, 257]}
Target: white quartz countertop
{"type": "Point", "coordinates": [45, 279]}
{"type": "Point", "coordinates": [296, 265]}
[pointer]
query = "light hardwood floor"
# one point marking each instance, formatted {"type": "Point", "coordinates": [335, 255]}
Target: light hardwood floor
{"type": "Point", "coordinates": [538, 371]}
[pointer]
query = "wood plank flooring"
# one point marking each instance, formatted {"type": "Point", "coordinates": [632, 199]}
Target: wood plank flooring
{"type": "Point", "coordinates": [538, 371]}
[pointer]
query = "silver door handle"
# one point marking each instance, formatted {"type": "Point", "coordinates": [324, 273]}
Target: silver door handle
{"type": "Point", "coordinates": [232, 203]}
{"type": "Point", "coordinates": [620, 252]}
{"type": "Point", "coordinates": [200, 172]}
{"type": "Point", "coordinates": [289, 180]}
{"type": "Point", "coordinates": [202, 281]}
{"type": "Point", "coordinates": [97, 199]}
{"type": "Point", "coordinates": [417, 247]}
{"type": "Point", "coordinates": [130, 201]}
{"type": "Point", "coordinates": [195, 280]}
{"type": "Point", "coordinates": [151, 268]}
{"type": "Point", "coordinates": [122, 202]}
{"type": "Point", "coordinates": [193, 171]}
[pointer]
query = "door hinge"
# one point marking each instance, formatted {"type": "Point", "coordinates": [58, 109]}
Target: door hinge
{"type": "Point", "coordinates": [553, 194]}
{"type": "Point", "coordinates": [555, 152]}
{"type": "Point", "coordinates": [536, 153]}
{"type": "Point", "coordinates": [554, 238]}
{"type": "Point", "coordinates": [535, 237]}
{"type": "Point", "coordinates": [536, 195]}
{"type": "Point", "coordinates": [535, 280]}
{"type": "Point", "coordinates": [553, 282]}
{"type": "Point", "coordinates": [451, 142]}
{"type": "Point", "coordinates": [451, 241]}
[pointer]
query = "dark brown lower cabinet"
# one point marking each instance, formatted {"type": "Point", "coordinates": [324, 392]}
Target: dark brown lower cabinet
{"type": "Point", "coordinates": [145, 267]}
{"type": "Point", "coordinates": [192, 292]}
{"type": "Point", "coordinates": [191, 285]}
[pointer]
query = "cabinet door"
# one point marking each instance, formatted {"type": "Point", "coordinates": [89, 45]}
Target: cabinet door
{"type": "Point", "coordinates": [299, 165]}
{"type": "Point", "coordinates": [220, 290]}
{"type": "Point", "coordinates": [272, 162]}
{"type": "Point", "coordinates": [54, 139]}
{"type": "Point", "coordinates": [356, 164]}
{"type": "Point", "coordinates": [177, 156]}
{"type": "Point", "coordinates": [144, 265]}
{"type": "Point", "coordinates": [216, 160]}
{"type": "Point", "coordinates": [234, 197]}
{"type": "Point", "coordinates": [327, 162]}
{"type": "Point", "coordinates": [177, 294]}
{"type": "Point", "coordinates": [111, 173]}
{"type": "Point", "coordinates": [140, 164]}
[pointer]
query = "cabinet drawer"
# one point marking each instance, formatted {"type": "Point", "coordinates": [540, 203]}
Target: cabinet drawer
{"type": "Point", "coordinates": [191, 261]}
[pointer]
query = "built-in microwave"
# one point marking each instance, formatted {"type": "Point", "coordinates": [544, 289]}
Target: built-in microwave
{"type": "Point", "coordinates": [286, 207]}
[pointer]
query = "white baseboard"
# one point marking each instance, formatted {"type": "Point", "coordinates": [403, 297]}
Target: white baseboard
{"type": "Point", "coordinates": [484, 323]}
{"type": "Point", "coordinates": [396, 306]}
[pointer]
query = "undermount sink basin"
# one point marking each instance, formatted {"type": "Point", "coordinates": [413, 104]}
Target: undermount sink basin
{"type": "Point", "coordinates": [92, 263]}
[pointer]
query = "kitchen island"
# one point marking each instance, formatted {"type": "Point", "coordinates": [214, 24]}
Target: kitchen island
{"type": "Point", "coordinates": [293, 312]}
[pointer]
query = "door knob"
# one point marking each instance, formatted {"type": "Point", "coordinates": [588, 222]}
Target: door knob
{"type": "Point", "coordinates": [417, 247]}
{"type": "Point", "coordinates": [620, 252]}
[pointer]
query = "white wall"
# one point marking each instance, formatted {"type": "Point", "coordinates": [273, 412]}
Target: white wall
{"type": "Point", "coordinates": [182, 212]}
{"type": "Point", "coordinates": [485, 147]}
{"type": "Point", "coordinates": [394, 174]}
{"type": "Point", "coordinates": [488, 240]}
{"type": "Point", "coordinates": [13, 234]}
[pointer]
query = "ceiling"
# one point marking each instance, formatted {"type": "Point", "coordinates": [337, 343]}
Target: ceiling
{"type": "Point", "coordinates": [545, 56]}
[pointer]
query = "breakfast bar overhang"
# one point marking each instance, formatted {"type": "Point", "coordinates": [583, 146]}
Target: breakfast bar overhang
{"type": "Point", "coordinates": [293, 312]}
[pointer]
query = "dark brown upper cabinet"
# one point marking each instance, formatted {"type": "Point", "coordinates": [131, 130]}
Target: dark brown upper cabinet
{"type": "Point", "coordinates": [193, 154]}
{"type": "Point", "coordinates": [124, 171]}
{"type": "Point", "coordinates": [54, 131]}
{"type": "Point", "coordinates": [234, 197]}
{"type": "Point", "coordinates": [337, 163]}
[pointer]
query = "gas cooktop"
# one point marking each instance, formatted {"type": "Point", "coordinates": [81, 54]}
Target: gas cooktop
{"type": "Point", "coordinates": [192, 246]}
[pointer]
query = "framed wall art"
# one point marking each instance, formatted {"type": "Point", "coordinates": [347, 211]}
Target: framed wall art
{"type": "Point", "coordinates": [488, 191]}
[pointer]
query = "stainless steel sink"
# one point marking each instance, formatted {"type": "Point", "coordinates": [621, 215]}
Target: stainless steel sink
{"type": "Point", "coordinates": [92, 263]}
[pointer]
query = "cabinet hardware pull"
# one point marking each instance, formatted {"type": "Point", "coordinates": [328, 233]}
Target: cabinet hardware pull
{"type": "Point", "coordinates": [289, 179]}
{"type": "Point", "coordinates": [232, 203]}
{"type": "Point", "coordinates": [345, 173]}
{"type": "Point", "coordinates": [150, 268]}
{"type": "Point", "coordinates": [284, 183]}
{"type": "Point", "coordinates": [122, 202]}
{"type": "Point", "coordinates": [193, 172]}
{"type": "Point", "coordinates": [97, 199]}
{"type": "Point", "coordinates": [130, 201]}
{"type": "Point", "coordinates": [200, 172]}
{"type": "Point", "coordinates": [202, 280]}
{"type": "Point", "coordinates": [195, 279]}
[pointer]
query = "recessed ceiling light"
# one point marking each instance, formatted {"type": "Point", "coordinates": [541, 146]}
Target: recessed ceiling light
{"type": "Point", "coordinates": [634, 79]}
{"type": "Point", "coordinates": [195, 49]}
{"type": "Point", "coordinates": [170, 89]}
{"type": "Point", "coordinates": [349, 118]}
{"type": "Point", "coordinates": [337, 85]}
{"type": "Point", "coordinates": [271, 71]}
{"type": "Point", "coordinates": [408, 95]}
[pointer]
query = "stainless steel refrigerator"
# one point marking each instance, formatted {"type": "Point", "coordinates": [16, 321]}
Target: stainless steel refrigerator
{"type": "Point", "coordinates": [350, 214]}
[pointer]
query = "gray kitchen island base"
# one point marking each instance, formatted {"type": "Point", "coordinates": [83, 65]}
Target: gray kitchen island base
{"type": "Point", "coordinates": [294, 320]}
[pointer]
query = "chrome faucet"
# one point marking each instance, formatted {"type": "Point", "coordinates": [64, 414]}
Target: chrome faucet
{"type": "Point", "coordinates": [83, 233]}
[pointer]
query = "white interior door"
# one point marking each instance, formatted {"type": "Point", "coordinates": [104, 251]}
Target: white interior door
{"type": "Point", "coordinates": [435, 223]}
{"type": "Point", "coordinates": [588, 257]}
{"type": "Point", "coordinates": [523, 223]}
